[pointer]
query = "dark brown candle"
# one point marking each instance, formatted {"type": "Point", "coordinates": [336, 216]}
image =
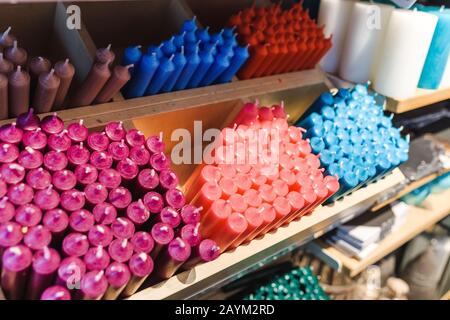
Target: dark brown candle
{"type": "Point", "coordinates": [46, 89]}
{"type": "Point", "coordinates": [119, 78]}
{"type": "Point", "coordinates": [18, 56]}
{"type": "Point", "coordinates": [3, 97]}
{"type": "Point", "coordinates": [6, 67]}
{"type": "Point", "coordinates": [18, 92]}
{"type": "Point", "coordinates": [105, 55]}
{"type": "Point", "coordinates": [94, 82]}
{"type": "Point", "coordinates": [65, 71]}
{"type": "Point", "coordinates": [37, 66]}
{"type": "Point", "coordinates": [7, 39]}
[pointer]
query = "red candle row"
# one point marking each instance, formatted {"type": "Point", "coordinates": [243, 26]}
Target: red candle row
{"type": "Point", "coordinates": [280, 40]}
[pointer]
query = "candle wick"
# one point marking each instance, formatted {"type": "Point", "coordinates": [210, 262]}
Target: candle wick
{"type": "Point", "coordinates": [15, 44]}
{"type": "Point", "coordinates": [5, 34]}
{"type": "Point", "coordinates": [66, 61]}
{"type": "Point", "coordinates": [19, 69]}
{"type": "Point", "coordinates": [108, 47]}
{"type": "Point", "coordinates": [182, 50]}
{"type": "Point", "coordinates": [129, 66]}
{"type": "Point", "coordinates": [138, 46]}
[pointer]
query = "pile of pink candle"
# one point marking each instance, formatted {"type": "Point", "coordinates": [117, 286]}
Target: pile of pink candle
{"type": "Point", "coordinates": [35, 82]}
{"type": "Point", "coordinates": [90, 215]}
{"type": "Point", "coordinates": [253, 188]}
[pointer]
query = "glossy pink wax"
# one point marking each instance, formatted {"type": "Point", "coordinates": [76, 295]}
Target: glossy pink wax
{"type": "Point", "coordinates": [59, 141]}
{"type": "Point", "coordinates": [190, 233]}
{"type": "Point", "coordinates": [191, 214]}
{"type": "Point", "coordinates": [55, 160]}
{"type": "Point", "coordinates": [47, 199]}
{"type": "Point", "coordinates": [137, 212]}
{"type": "Point", "coordinates": [142, 242]}
{"type": "Point", "coordinates": [120, 250]}
{"type": "Point", "coordinates": [10, 234]}
{"type": "Point", "coordinates": [28, 121]}
{"type": "Point", "coordinates": [110, 178]}
{"type": "Point", "coordinates": [141, 266]}
{"type": "Point", "coordinates": [168, 179]}
{"type": "Point", "coordinates": [12, 173]}
{"type": "Point", "coordinates": [3, 188]}
{"type": "Point", "coordinates": [115, 130]}
{"type": "Point", "coordinates": [153, 201]}
{"type": "Point", "coordinates": [159, 161]}
{"type": "Point", "coordinates": [148, 179]}
{"type": "Point", "coordinates": [162, 234]}
{"type": "Point", "coordinates": [119, 150]}
{"type": "Point", "coordinates": [72, 200]}
{"type": "Point", "coordinates": [140, 155]}
{"type": "Point", "coordinates": [81, 220]}
{"type": "Point", "coordinates": [70, 272]}
{"type": "Point", "coordinates": [104, 213]}
{"type": "Point", "coordinates": [52, 124]}
{"type": "Point", "coordinates": [56, 221]}
{"type": "Point", "coordinates": [20, 194]}
{"type": "Point", "coordinates": [30, 158]}
{"type": "Point", "coordinates": [98, 141]}
{"type": "Point", "coordinates": [45, 265]}
{"type": "Point", "coordinates": [93, 285]}
{"type": "Point", "coordinates": [78, 154]}
{"type": "Point", "coordinates": [135, 138]}
{"type": "Point", "coordinates": [170, 216]}
{"type": "Point", "coordinates": [206, 251]}
{"type": "Point", "coordinates": [128, 169]}
{"type": "Point", "coordinates": [155, 144]}
{"type": "Point", "coordinates": [100, 235]}
{"type": "Point", "coordinates": [8, 152]}
{"type": "Point", "coordinates": [95, 193]}
{"type": "Point", "coordinates": [28, 215]}
{"type": "Point", "coordinates": [120, 197]}
{"type": "Point", "coordinates": [86, 174]}
{"type": "Point", "coordinates": [77, 131]}
{"type": "Point", "coordinates": [174, 198]}
{"type": "Point", "coordinates": [117, 275]}
{"type": "Point", "coordinates": [7, 210]}
{"type": "Point", "coordinates": [37, 237]}
{"type": "Point", "coordinates": [39, 178]}
{"type": "Point", "coordinates": [75, 244]}
{"type": "Point", "coordinates": [11, 133]}
{"type": "Point", "coordinates": [56, 293]}
{"type": "Point", "coordinates": [16, 262]}
{"type": "Point", "coordinates": [101, 160]}
{"type": "Point", "coordinates": [64, 180]}
{"type": "Point", "coordinates": [35, 139]}
{"type": "Point", "coordinates": [122, 228]}
{"type": "Point", "coordinates": [176, 253]}
{"type": "Point", "coordinates": [96, 258]}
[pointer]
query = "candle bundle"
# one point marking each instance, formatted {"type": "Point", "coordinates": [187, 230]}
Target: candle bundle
{"type": "Point", "coordinates": [280, 40]}
{"type": "Point", "coordinates": [193, 58]}
{"type": "Point", "coordinates": [69, 220]}
{"type": "Point", "coordinates": [264, 176]}
{"type": "Point", "coordinates": [354, 139]}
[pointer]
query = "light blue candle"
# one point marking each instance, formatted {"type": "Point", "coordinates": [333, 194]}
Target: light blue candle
{"type": "Point", "coordinates": [317, 145]}
{"type": "Point", "coordinates": [165, 70]}
{"type": "Point", "coordinates": [168, 47]}
{"type": "Point", "coordinates": [156, 50]}
{"type": "Point", "coordinates": [203, 35]}
{"type": "Point", "coordinates": [179, 62]}
{"type": "Point", "coordinates": [438, 53]}
{"type": "Point", "coordinates": [206, 60]}
{"type": "Point", "coordinates": [142, 76]}
{"type": "Point", "coordinates": [192, 63]}
{"type": "Point", "coordinates": [237, 60]}
{"type": "Point", "coordinates": [131, 55]}
{"type": "Point", "coordinates": [220, 64]}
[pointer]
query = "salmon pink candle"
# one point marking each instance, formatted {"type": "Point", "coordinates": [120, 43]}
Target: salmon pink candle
{"type": "Point", "coordinates": [137, 212]}
{"type": "Point", "coordinates": [119, 150]}
{"type": "Point", "coordinates": [135, 138]}
{"type": "Point", "coordinates": [176, 253]}
{"type": "Point", "coordinates": [147, 180]}
{"type": "Point", "coordinates": [206, 251]}
{"type": "Point", "coordinates": [115, 130]}
{"type": "Point", "coordinates": [159, 161]}
{"type": "Point", "coordinates": [100, 235]}
{"type": "Point", "coordinates": [217, 215]}
{"type": "Point", "coordinates": [70, 272]}
{"type": "Point", "coordinates": [142, 242]}
{"type": "Point", "coordinates": [47, 199]}
{"type": "Point", "coordinates": [45, 265]}
{"type": "Point", "coordinates": [254, 219]}
{"type": "Point", "coordinates": [207, 173]}
{"type": "Point", "coordinates": [282, 210]}
{"type": "Point", "coordinates": [162, 234]}
{"type": "Point", "coordinates": [56, 293]}
{"type": "Point", "coordinates": [12, 173]}
{"type": "Point", "coordinates": [56, 221]}
{"type": "Point", "coordinates": [95, 193]}
{"type": "Point", "coordinates": [140, 155]}
{"type": "Point", "coordinates": [104, 213]}
{"type": "Point", "coordinates": [242, 182]}
{"type": "Point", "coordinates": [154, 202]}
{"type": "Point", "coordinates": [96, 258]}
{"type": "Point", "coordinates": [174, 198]}
{"type": "Point", "coordinates": [101, 160]}
{"type": "Point", "coordinates": [11, 133]}
{"type": "Point", "coordinates": [77, 131]}
{"type": "Point", "coordinates": [120, 250]}
{"type": "Point", "coordinates": [64, 180]}
{"type": "Point", "coordinates": [55, 160]}
{"type": "Point", "coordinates": [226, 234]}
{"type": "Point", "coordinates": [141, 266]}
{"type": "Point", "coordinates": [122, 228]}
{"type": "Point", "coordinates": [52, 124]}
{"type": "Point", "coordinates": [118, 275]}
{"type": "Point", "coordinates": [7, 210]}
{"type": "Point", "coordinates": [86, 174]}
{"type": "Point", "coordinates": [268, 214]}
{"type": "Point", "coordinates": [332, 184]}
{"type": "Point", "coordinates": [93, 285]}
{"type": "Point", "coordinates": [8, 152]}
{"type": "Point", "coordinates": [59, 141]}
{"type": "Point", "coordinates": [30, 158]}
{"type": "Point", "coordinates": [20, 194]}
{"type": "Point", "coordinates": [120, 198]}
{"type": "Point", "coordinates": [252, 198]}
{"type": "Point", "coordinates": [72, 200]}
{"type": "Point", "coordinates": [170, 216]}
{"type": "Point", "coordinates": [110, 178]}
{"type": "Point", "coordinates": [16, 262]}
{"type": "Point", "coordinates": [128, 169]}
{"type": "Point", "coordinates": [35, 139]}
{"type": "Point", "coordinates": [207, 195]}
{"type": "Point", "coordinates": [75, 244]}
{"type": "Point", "coordinates": [98, 141]}
{"type": "Point", "coordinates": [81, 221]}
{"type": "Point", "coordinates": [77, 154]}
{"type": "Point", "coordinates": [37, 237]}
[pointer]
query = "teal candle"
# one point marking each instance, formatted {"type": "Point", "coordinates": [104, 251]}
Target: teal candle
{"type": "Point", "coordinates": [142, 76]}
{"type": "Point", "coordinates": [206, 60]}
{"type": "Point", "coordinates": [220, 64]}
{"type": "Point", "coordinates": [317, 145]}
{"type": "Point", "coordinates": [179, 62]}
{"type": "Point", "coordinates": [237, 60]}
{"type": "Point", "coordinates": [192, 63]}
{"type": "Point", "coordinates": [168, 48]}
{"type": "Point", "coordinates": [156, 50]}
{"type": "Point", "coordinates": [164, 71]}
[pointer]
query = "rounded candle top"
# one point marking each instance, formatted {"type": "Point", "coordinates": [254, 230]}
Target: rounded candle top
{"type": "Point", "coordinates": [137, 212]}
{"type": "Point", "coordinates": [135, 138]}
{"type": "Point", "coordinates": [35, 139]}
{"type": "Point", "coordinates": [46, 261]}
{"type": "Point", "coordinates": [170, 216]}
{"type": "Point", "coordinates": [179, 249]}
{"type": "Point", "coordinates": [75, 244]}
{"type": "Point", "coordinates": [10, 234]}
{"type": "Point", "coordinates": [168, 179]}
{"type": "Point", "coordinates": [95, 193]}
{"type": "Point", "coordinates": [17, 258]}
{"type": "Point", "coordinates": [16, 55]}
{"type": "Point", "coordinates": [94, 284]}
{"type": "Point", "coordinates": [162, 233]}
{"type": "Point", "coordinates": [59, 141]}
{"type": "Point", "coordinates": [71, 270]}
{"type": "Point", "coordinates": [55, 160]}
{"type": "Point", "coordinates": [64, 180]}
{"type": "Point", "coordinates": [8, 152]}
{"type": "Point", "coordinates": [78, 154]}
{"type": "Point", "coordinates": [6, 67]}
{"type": "Point", "coordinates": [20, 194]}
{"type": "Point", "coordinates": [141, 264]}
{"type": "Point", "coordinates": [37, 237]}
{"type": "Point", "coordinates": [117, 274]}
{"type": "Point", "coordinates": [127, 168]}
{"type": "Point", "coordinates": [142, 242]}
{"type": "Point", "coordinates": [148, 179]}
{"type": "Point", "coordinates": [56, 220]}
{"type": "Point", "coordinates": [110, 178]}
{"type": "Point", "coordinates": [115, 130]}
{"type": "Point", "coordinates": [155, 144]}
{"type": "Point", "coordinates": [98, 141]}
{"type": "Point", "coordinates": [12, 173]}
{"type": "Point", "coordinates": [208, 250]}
{"type": "Point", "coordinates": [52, 124]}
{"type": "Point", "coordinates": [104, 213]}
{"type": "Point", "coordinates": [86, 174]}
{"type": "Point", "coordinates": [119, 150]}
{"type": "Point", "coordinates": [120, 250]}
{"type": "Point", "coordinates": [159, 161]}
{"type": "Point", "coordinates": [153, 201]}
{"type": "Point", "coordinates": [11, 133]}
{"type": "Point", "coordinates": [81, 220]}
{"type": "Point", "coordinates": [56, 293]}
{"type": "Point", "coordinates": [190, 233]}
{"type": "Point", "coordinates": [72, 200]}
{"type": "Point", "coordinates": [27, 121]}
{"type": "Point", "coordinates": [96, 258]}
{"type": "Point", "coordinates": [39, 65]}
{"type": "Point", "coordinates": [122, 228]}
{"type": "Point", "coordinates": [100, 235]}
{"type": "Point", "coordinates": [175, 198]}
{"type": "Point", "coordinates": [120, 197]}
{"type": "Point", "coordinates": [7, 210]}
{"type": "Point", "coordinates": [77, 131]}
{"type": "Point", "coordinates": [105, 55]}
{"type": "Point", "coordinates": [140, 155]}
{"type": "Point", "coordinates": [47, 199]}
{"type": "Point", "coordinates": [30, 158]}
{"type": "Point", "coordinates": [191, 214]}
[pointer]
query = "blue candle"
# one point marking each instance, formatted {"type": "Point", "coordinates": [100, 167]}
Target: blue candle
{"type": "Point", "coordinates": [178, 40]}
{"type": "Point", "coordinates": [190, 48]}
{"type": "Point", "coordinates": [179, 62]}
{"type": "Point", "coordinates": [226, 50]}
{"type": "Point", "coordinates": [142, 75]}
{"type": "Point", "coordinates": [312, 120]}
{"type": "Point", "coordinates": [237, 60]}
{"type": "Point", "coordinates": [232, 42]}
{"type": "Point", "coordinates": [156, 50]}
{"type": "Point", "coordinates": [189, 37]}
{"type": "Point", "coordinates": [203, 35]}
{"type": "Point", "coordinates": [220, 64]}
{"type": "Point", "coordinates": [189, 25]}
{"type": "Point", "coordinates": [206, 60]}
{"type": "Point", "coordinates": [166, 68]}
{"type": "Point", "coordinates": [228, 32]}
{"type": "Point", "coordinates": [348, 181]}
{"type": "Point", "coordinates": [326, 158]}
{"type": "Point", "coordinates": [192, 63]}
{"type": "Point", "coordinates": [131, 55]}
{"type": "Point", "coordinates": [168, 47]}
{"type": "Point", "coordinates": [334, 170]}
{"type": "Point", "coordinates": [209, 47]}
{"type": "Point", "coordinates": [217, 37]}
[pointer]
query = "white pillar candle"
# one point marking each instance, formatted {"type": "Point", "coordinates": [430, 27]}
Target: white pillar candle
{"type": "Point", "coordinates": [334, 15]}
{"type": "Point", "coordinates": [403, 53]}
{"type": "Point", "coordinates": [366, 30]}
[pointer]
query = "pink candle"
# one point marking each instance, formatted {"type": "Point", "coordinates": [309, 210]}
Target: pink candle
{"type": "Point", "coordinates": [12, 173]}
{"type": "Point", "coordinates": [168, 179]}
{"type": "Point", "coordinates": [47, 199]}
{"type": "Point", "coordinates": [35, 139]}
{"type": "Point", "coordinates": [120, 198]}
{"type": "Point", "coordinates": [216, 216]}
{"type": "Point", "coordinates": [28, 215]}
{"type": "Point", "coordinates": [56, 293]}
{"type": "Point", "coordinates": [37, 237]}
{"type": "Point", "coordinates": [30, 158]}
{"type": "Point", "coordinates": [55, 160]}
{"type": "Point", "coordinates": [118, 275]}
{"type": "Point", "coordinates": [110, 178]}
{"type": "Point", "coordinates": [56, 221]}
{"type": "Point", "coordinates": [248, 113]}
{"type": "Point", "coordinates": [3, 188]}
{"type": "Point", "coordinates": [170, 216]}
{"type": "Point", "coordinates": [269, 215]}
{"type": "Point", "coordinates": [252, 198]}
{"type": "Point", "coordinates": [242, 182]}
{"type": "Point", "coordinates": [93, 285]}
{"type": "Point", "coordinates": [122, 228]}
{"type": "Point", "coordinates": [52, 124]}
{"type": "Point", "coordinates": [70, 272]}
{"type": "Point", "coordinates": [72, 200]}
{"type": "Point", "coordinates": [175, 198]}
{"type": "Point", "coordinates": [20, 194]}
{"type": "Point", "coordinates": [267, 193]}
{"type": "Point", "coordinates": [104, 213]}
{"type": "Point", "coordinates": [81, 220]}
{"type": "Point", "coordinates": [95, 193]}
{"type": "Point", "coordinates": [96, 258]}
{"type": "Point", "coordinates": [159, 161]}
{"type": "Point", "coordinates": [39, 179]}
{"type": "Point", "coordinates": [137, 212]}
{"type": "Point", "coordinates": [237, 203]}
{"type": "Point", "coordinates": [59, 141]}
{"type": "Point", "coordinates": [206, 251]}
{"type": "Point", "coordinates": [10, 235]}
{"type": "Point", "coordinates": [98, 141]}
{"type": "Point", "coordinates": [128, 169]}
{"type": "Point", "coordinates": [28, 121]}
{"type": "Point", "coordinates": [115, 130]}
{"type": "Point", "coordinates": [8, 152]}
{"type": "Point", "coordinates": [101, 160]}
{"type": "Point", "coordinates": [332, 184]}
{"type": "Point", "coordinates": [77, 131]}
{"type": "Point", "coordinates": [141, 266]}
{"type": "Point", "coordinates": [190, 233]}
{"type": "Point", "coordinates": [147, 180]}
{"type": "Point", "coordinates": [177, 252]}
{"type": "Point", "coordinates": [254, 219]}
{"type": "Point", "coordinates": [75, 244]}
{"type": "Point", "coordinates": [120, 250]}
{"type": "Point", "coordinates": [86, 174]}
{"type": "Point", "coordinates": [280, 188]}
{"type": "Point", "coordinates": [190, 214]}
{"type": "Point", "coordinates": [162, 234]}
{"type": "Point", "coordinates": [119, 150]}
{"type": "Point", "coordinates": [11, 133]}
{"type": "Point", "coordinates": [154, 202]}
{"type": "Point", "coordinates": [135, 138]}
{"type": "Point", "coordinates": [140, 155]}
{"type": "Point", "coordinates": [100, 235]}
{"type": "Point", "coordinates": [77, 154]}
{"type": "Point", "coordinates": [155, 144]}
{"type": "Point", "coordinates": [7, 210]}
{"type": "Point", "coordinates": [16, 262]}
{"type": "Point", "coordinates": [142, 242]}
{"type": "Point", "coordinates": [45, 265]}
{"type": "Point", "coordinates": [64, 180]}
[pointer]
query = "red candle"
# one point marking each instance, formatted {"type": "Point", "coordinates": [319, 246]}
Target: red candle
{"type": "Point", "coordinates": [64, 180]}
{"type": "Point", "coordinates": [119, 150]}
{"type": "Point", "coordinates": [81, 221]}
{"type": "Point", "coordinates": [86, 174]}
{"type": "Point", "coordinates": [115, 130]}
{"type": "Point", "coordinates": [12, 173]}
{"type": "Point", "coordinates": [95, 193]}
{"type": "Point", "coordinates": [141, 266]}
{"type": "Point", "coordinates": [20, 194]}
{"type": "Point", "coordinates": [122, 228]}
{"type": "Point", "coordinates": [47, 199]}
{"type": "Point", "coordinates": [120, 198]}
{"type": "Point", "coordinates": [118, 275]}
{"type": "Point", "coordinates": [135, 138]}
{"type": "Point", "coordinates": [55, 160]}
{"type": "Point", "coordinates": [30, 158]}
{"type": "Point", "coordinates": [98, 141]}
{"type": "Point", "coordinates": [174, 198]}
{"type": "Point", "coordinates": [77, 131]}
{"type": "Point", "coordinates": [159, 161]}
{"type": "Point", "coordinates": [137, 212]}
{"type": "Point", "coordinates": [46, 90]}
{"type": "Point", "coordinates": [37, 237]}
{"type": "Point", "coordinates": [282, 210]}
{"type": "Point", "coordinates": [100, 235]}
{"type": "Point", "coordinates": [96, 258]}
{"type": "Point", "coordinates": [77, 154]}
{"type": "Point", "coordinates": [92, 84]}
{"type": "Point", "coordinates": [162, 234]}
{"type": "Point", "coordinates": [52, 124]}
{"type": "Point", "coordinates": [140, 155]}
{"type": "Point", "coordinates": [119, 77]}
{"type": "Point", "coordinates": [72, 200]}
{"type": "Point", "coordinates": [75, 244]}
{"type": "Point", "coordinates": [93, 285]}
{"type": "Point", "coordinates": [8, 152]}
{"type": "Point", "coordinates": [11, 133]}
{"type": "Point", "coordinates": [6, 67]}
{"type": "Point", "coordinates": [3, 97]}
{"type": "Point", "coordinates": [128, 169]}
{"type": "Point", "coordinates": [18, 92]}
{"type": "Point", "coordinates": [45, 264]}
{"type": "Point", "coordinates": [16, 55]}
{"type": "Point", "coordinates": [206, 251]}
{"type": "Point", "coordinates": [70, 272]}
{"type": "Point", "coordinates": [120, 250]}
{"type": "Point", "coordinates": [154, 202]}
{"type": "Point", "coordinates": [104, 213]}
{"type": "Point", "coordinates": [65, 71]}
{"type": "Point", "coordinates": [35, 139]}
{"type": "Point", "coordinates": [56, 221]}
{"type": "Point", "coordinates": [177, 252]}
{"type": "Point", "coordinates": [16, 262]}
{"type": "Point", "coordinates": [56, 293]}
{"type": "Point", "coordinates": [7, 210]}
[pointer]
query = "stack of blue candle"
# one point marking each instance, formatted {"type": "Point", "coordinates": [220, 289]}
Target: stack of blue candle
{"type": "Point", "coordinates": [355, 140]}
{"type": "Point", "coordinates": [193, 58]}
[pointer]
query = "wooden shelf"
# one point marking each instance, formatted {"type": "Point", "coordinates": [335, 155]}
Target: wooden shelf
{"type": "Point", "coordinates": [446, 296]}
{"type": "Point", "coordinates": [234, 264]}
{"type": "Point", "coordinates": [421, 99]}
{"type": "Point", "coordinates": [435, 208]}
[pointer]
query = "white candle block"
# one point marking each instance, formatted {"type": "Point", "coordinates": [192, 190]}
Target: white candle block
{"type": "Point", "coordinates": [334, 15]}
{"type": "Point", "coordinates": [367, 29]}
{"type": "Point", "coordinates": [403, 53]}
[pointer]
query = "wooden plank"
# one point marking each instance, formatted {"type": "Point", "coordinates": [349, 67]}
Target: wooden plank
{"type": "Point", "coordinates": [241, 260]}
{"type": "Point", "coordinates": [422, 98]}
{"type": "Point", "coordinates": [435, 208]}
